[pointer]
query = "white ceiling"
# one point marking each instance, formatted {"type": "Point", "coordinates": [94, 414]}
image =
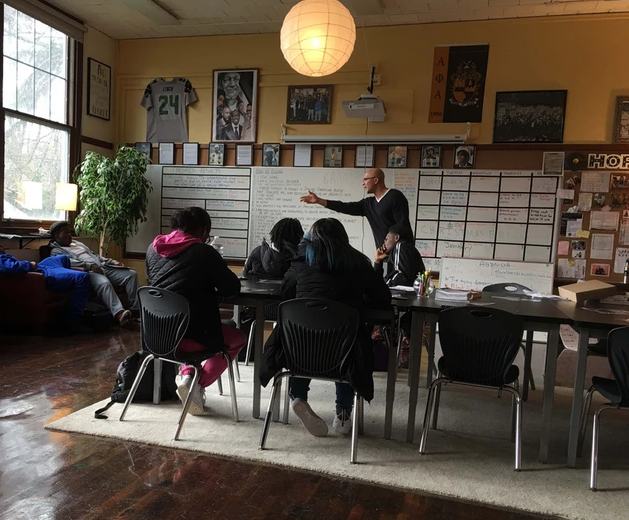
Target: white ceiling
{"type": "Point", "coordinates": [210, 17]}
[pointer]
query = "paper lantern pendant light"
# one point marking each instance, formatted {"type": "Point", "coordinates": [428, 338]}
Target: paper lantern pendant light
{"type": "Point", "coordinates": [317, 37]}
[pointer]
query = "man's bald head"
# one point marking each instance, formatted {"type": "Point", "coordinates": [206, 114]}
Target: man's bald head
{"type": "Point", "coordinates": [373, 181]}
{"type": "Point", "coordinates": [377, 173]}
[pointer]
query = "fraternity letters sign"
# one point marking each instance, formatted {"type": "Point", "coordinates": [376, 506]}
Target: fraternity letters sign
{"type": "Point", "coordinates": [608, 161]}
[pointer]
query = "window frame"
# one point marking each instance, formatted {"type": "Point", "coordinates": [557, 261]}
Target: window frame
{"type": "Point", "coordinates": [74, 96]}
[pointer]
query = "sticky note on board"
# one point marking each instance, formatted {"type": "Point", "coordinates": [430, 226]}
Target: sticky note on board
{"type": "Point", "coordinates": [582, 233]}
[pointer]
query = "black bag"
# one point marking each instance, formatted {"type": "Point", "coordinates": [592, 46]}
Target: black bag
{"type": "Point", "coordinates": [126, 374]}
{"type": "Point", "coordinates": [97, 317]}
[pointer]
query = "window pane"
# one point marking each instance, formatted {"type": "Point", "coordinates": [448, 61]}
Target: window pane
{"type": "Point", "coordinates": [36, 158]}
{"type": "Point", "coordinates": [58, 97]}
{"type": "Point", "coordinates": [10, 31]}
{"type": "Point", "coordinates": [25, 83]}
{"type": "Point", "coordinates": [42, 94]}
{"type": "Point", "coordinates": [59, 53]}
{"type": "Point", "coordinates": [9, 84]}
{"type": "Point", "coordinates": [42, 46]}
{"type": "Point", "coordinates": [25, 38]}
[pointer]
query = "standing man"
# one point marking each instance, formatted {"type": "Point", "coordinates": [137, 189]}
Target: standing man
{"type": "Point", "coordinates": [385, 209]}
{"type": "Point", "coordinates": [223, 122]}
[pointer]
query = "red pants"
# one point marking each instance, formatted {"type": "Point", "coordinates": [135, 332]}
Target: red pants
{"type": "Point", "coordinates": [215, 366]}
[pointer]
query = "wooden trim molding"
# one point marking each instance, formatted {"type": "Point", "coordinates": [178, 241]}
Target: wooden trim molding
{"type": "Point", "coordinates": [97, 142]}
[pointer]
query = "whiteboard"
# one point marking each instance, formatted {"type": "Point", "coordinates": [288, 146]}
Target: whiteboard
{"type": "Point", "coordinates": [474, 274]}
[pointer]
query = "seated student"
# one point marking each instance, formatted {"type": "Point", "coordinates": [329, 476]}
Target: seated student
{"type": "Point", "coordinates": [399, 256]}
{"type": "Point", "coordinates": [330, 268]}
{"type": "Point", "coordinates": [59, 278]}
{"type": "Point", "coordinates": [102, 271]}
{"type": "Point", "coordinates": [182, 262]}
{"type": "Point", "coordinates": [273, 259]}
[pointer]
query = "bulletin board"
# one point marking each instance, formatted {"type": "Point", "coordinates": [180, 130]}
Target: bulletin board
{"type": "Point", "coordinates": [594, 233]}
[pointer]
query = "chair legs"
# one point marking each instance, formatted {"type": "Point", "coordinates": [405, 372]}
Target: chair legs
{"type": "Point", "coordinates": [595, 430]}
{"type": "Point", "coordinates": [585, 412]}
{"type": "Point", "coordinates": [430, 404]}
{"type": "Point", "coordinates": [187, 403]}
{"type": "Point", "coordinates": [355, 427]}
{"type": "Point", "coordinates": [219, 382]}
{"type": "Point", "coordinates": [435, 412]}
{"type": "Point", "coordinates": [232, 385]}
{"type": "Point", "coordinates": [135, 385]}
{"type": "Point", "coordinates": [269, 412]}
{"type": "Point", "coordinates": [237, 369]}
{"type": "Point", "coordinates": [518, 426]}
{"type": "Point", "coordinates": [252, 332]}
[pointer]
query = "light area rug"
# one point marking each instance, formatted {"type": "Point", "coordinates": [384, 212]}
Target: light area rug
{"type": "Point", "coordinates": [469, 457]}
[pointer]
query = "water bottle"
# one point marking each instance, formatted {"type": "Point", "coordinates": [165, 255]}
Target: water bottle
{"type": "Point", "coordinates": [417, 284]}
{"type": "Point", "coordinates": [625, 274]}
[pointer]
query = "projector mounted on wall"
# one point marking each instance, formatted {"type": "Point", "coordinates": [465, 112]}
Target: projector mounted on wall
{"type": "Point", "coordinates": [368, 105]}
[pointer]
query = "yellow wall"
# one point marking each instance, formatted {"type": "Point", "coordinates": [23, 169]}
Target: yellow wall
{"type": "Point", "coordinates": [581, 54]}
{"type": "Point", "coordinates": [104, 49]}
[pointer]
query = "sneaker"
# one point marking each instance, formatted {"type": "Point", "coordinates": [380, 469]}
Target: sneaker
{"type": "Point", "coordinates": [123, 317]}
{"type": "Point", "coordinates": [198, 395]}
{"type": "Point", "coordinates": [342, 423]}
{"type": "Point", "coordinates": [311, 421]}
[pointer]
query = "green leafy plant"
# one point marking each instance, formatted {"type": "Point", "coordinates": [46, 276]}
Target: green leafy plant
{"type": "Point", "coordinates": [113, 194]}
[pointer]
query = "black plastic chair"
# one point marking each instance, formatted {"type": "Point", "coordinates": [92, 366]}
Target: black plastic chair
{"type": "Point", "coordinates": [479, 346]}
{"type": "Point", "coordinates": [317, 337]}
{"type": "Point", "coordinates": [165, 316]}
{"type": "Point", "coordinates": [527, 346]}
{"type": "Point", "coordinates": [616, 391]}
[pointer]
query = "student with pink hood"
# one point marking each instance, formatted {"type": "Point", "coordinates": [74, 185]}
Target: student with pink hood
{"type": "Point", "coordinates": [182, 262]}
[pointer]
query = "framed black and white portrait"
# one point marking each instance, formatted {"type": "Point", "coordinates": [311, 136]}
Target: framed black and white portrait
{"type": "Point", "coordinates": [309, 105]}
{"type": "Point", "coordinates": [464, 157]}
{"type": "Point", "coordinates": [431, 156]}
{"type": "Point", "coordinates": [235, 105]}
{"type": "Point", "coordinates": [270, 154]}
{"type": "Point", "coordinates": [534, 116]}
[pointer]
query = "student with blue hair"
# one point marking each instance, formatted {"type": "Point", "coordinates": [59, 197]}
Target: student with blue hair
{"type": "Point", "coordinates": [329, 267]}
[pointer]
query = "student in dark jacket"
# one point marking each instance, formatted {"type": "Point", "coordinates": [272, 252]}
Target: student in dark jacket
{"type": "Point", "coordinates": [182, 262]}
{"type": "Point", "coordinates": [330, 268]}
{"type": "Point", "coordinates": [273, 258]}
{"type": "Point", "coordinates": [398, 260]}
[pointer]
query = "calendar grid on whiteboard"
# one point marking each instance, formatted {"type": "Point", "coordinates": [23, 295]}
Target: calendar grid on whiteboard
{"type": "Point", "coordinates": [521, 226]}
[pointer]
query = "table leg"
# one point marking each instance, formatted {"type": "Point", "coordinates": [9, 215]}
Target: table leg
{"type": "Point", "coordinates": [258, 343]}
{"type": "Point", "coordinates": [577, 396]}
{"type": "Point", "coordinates": [431, 353]}
{"type": "Point", "coordinates": [413, 367]}
{"type": "Point", "coordinates": [528, 354]}
{"type": "Point", "coordinates": [157, 381]}
{"type": "Point", "coordinates": [549, 390]}
{"type": "Point", "coordinates": [237, 315]}
{"type": "Point", "coordinates": [391, 377]}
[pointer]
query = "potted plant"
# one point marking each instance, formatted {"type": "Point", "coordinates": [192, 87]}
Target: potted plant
{"type": "Point", "coordinates": [113, 195]}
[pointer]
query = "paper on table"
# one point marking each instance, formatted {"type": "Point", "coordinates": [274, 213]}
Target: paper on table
{"type": "Point", "coordinates": [544, 296]}
{"type": "Point", "coordinates": [595, 181]}
{"type": "Point", "coordinates": [606, 220]}
{"type": "Point", "coordinates": [622, 253]}
{"type": "Point", "coordinates": [585, 201]}
{"type": "Point", "coordinates": [602, 247]}
{"type": "Point", "coordinates": [403, 288]}
{"type": "Point", "coordinates": [562, 193]}
{"type": "Point", "coordinates": [563, 247]}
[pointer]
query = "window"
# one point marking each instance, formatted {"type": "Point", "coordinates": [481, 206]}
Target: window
{"type": "Point", "coordinates": [35, 105]}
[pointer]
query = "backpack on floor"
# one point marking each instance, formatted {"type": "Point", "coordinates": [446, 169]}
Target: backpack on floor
{"type": "Point", "coordinates": [97, 317]}
{"type": "Point", "coordinates": [126, 374]}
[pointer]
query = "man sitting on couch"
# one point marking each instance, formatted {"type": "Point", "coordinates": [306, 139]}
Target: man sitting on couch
{"type": "Point", "coordinates": [59, 279]}
{"type": "Point", "coordinates": [102, 271]}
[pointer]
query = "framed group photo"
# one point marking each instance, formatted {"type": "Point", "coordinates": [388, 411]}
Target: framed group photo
{"type": "Point", "coordinates": [235, 105]}
{"type": "Point", "coordinates": [621, 120]}
{"type": "Point", "coordinates": [431, 156]}
{"type": "Point", "coordinates": [535, 116]}
{"type": "Point", "coordinates": [309, 105]}
{"type": "Point", "coordinates": [464, 157]}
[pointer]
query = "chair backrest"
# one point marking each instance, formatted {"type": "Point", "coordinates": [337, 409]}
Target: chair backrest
{"type": "Point", "coordinates": [479, 344]}
{"type": "Point", "coordinates": [509, 288]}
{"type": "Point", "coordinates": [164, 320]}
{"type": "Point", "coordinates": [618, 355]}
{"type": "Point", "coordinates": [317, 336]}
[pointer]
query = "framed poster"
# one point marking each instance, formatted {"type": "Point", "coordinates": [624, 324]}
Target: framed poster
{"type": "Point", "coordinates": [621, 120]}
{"type": "Point", "coordinates": [431, 156]}
{"type": "Point", "coordinates": [464, 157]}
{"type": "Point", "coordinates": [217, 154]}
{"type": "Point", "coordinates": [309, 105]}
{"type": "Point", "coordinates": [271, 154]}
{"type": "Point", "coordinates": [98, 89]}
{"type": "Point", "coordinates": [302, 155]}
{"type": "Point", "coordinates": [144, 148]}
{"type": "Point", "coordinates": [396, 157]}
{"type": "Point", "coordinates": [166, 153]}
{"type": "Point", "coordinates": [190, 153]}
{"type": "Point", "coordinates": [235, 105]}
{"type": "Point", "coordinates": [533, 116]}
{"type": "Point", "coordinates": [244, 154]}
{"type": "Point", "coordinates": [333, 156]}
{"type": "Point", "coordinates": [365, 156]}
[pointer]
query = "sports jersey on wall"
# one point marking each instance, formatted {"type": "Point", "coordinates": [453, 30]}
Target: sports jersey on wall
{"type": "Point", "coordinates": [165, 103]}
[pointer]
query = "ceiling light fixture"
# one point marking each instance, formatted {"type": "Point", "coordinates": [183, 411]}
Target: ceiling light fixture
{"type": "Point", "coordinates": [318, 37]}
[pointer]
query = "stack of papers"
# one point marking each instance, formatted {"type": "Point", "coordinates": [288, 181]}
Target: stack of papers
{"type": "Point", "coordinates": [402, 288]}
{"type": "Point", "coordinates": [451, 295]}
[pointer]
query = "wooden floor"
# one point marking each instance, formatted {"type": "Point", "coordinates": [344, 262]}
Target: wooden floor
{"type": "Point", "coordinates": [46, 475]}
